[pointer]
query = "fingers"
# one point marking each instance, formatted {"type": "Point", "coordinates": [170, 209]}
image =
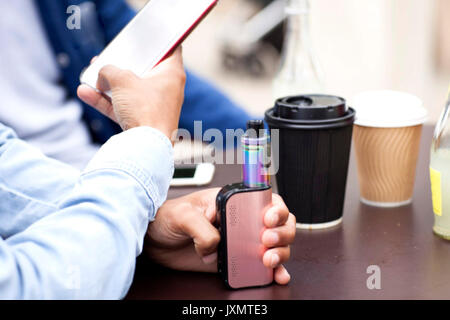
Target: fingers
{"type": "Point", "coordinates": [281, 275]}
{"type": "Point", "coordinates": [204, 235]}
{"type": "Point", "coordinates": [96, 100]}
{"type": "Point", "coordinates": [272, 258]}
{"type": "Point", "coordinates": [278, 214]}
{"type": "Point", "coordinates": [111, 77]}
{"type": "Point", "coordinates": [280, 236]}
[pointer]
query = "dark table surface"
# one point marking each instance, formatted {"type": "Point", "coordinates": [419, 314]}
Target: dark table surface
{"type": "Point", "coordinates": [332, 263]}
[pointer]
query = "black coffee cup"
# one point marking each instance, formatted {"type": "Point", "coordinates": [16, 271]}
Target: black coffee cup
{"type": "Point", "coordinates": [315, 134]}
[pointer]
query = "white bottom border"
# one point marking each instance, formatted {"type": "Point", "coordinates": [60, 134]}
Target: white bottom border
{"type": "Point", "coordinates": [385, 204]}
{"type": "Point", "coordinates": [315, 226]}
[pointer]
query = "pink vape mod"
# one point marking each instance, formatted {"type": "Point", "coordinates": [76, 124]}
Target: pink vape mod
{"type": "Point", "coordinates": [240, 209]}
{"type": "Point", "coordinates": [241, 214]}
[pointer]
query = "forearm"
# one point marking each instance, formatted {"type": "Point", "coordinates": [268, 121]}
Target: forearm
{"type": "Point", "coordinates": [87, 249]}
{"type": "Point", "coordinates": [31, 185]}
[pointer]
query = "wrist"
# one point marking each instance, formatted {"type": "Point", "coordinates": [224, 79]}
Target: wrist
{"type": "Point", "coordinates": [166, 131]}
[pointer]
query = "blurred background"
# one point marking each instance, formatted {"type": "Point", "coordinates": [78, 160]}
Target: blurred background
{"type": "Point", "coordinates": [362, 45]}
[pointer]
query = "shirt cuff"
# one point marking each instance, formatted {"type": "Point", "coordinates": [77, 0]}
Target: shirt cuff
{"type": "Point", "coordinates": [145, 154]}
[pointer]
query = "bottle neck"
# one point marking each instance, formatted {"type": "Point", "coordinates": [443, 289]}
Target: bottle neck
{"type": "Point", "coordinates": [298, 29]}
{"type": "Point", "coordinates": [299, 70]}
{"type": "Point", "coordinates": [442, 129]}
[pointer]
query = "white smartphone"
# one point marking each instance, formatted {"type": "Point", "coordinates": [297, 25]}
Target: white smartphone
{"type": "Point", "coordinates": [193, 175]}
{"type": "Point", "coordinates": [149, 37]}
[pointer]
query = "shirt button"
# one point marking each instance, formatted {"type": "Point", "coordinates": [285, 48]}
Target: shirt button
{"type": "Point", "coordinates": [63, 60]}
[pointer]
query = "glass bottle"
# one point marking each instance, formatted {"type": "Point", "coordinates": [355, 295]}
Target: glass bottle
{"type": "Point", "coordinates": [299, 71]}
{"type": "Point", "coordinates": [440, 174]}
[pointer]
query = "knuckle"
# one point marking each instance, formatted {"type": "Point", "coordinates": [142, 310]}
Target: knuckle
{"type": "Point", "coordinates": [291, 235]}
{"type": "Point", "coordinates": [108, 71]}
{"type": "Point", "coordinates": [283, 212]}
{"type": "Point", "coordinates": [277, 197]}
{"type": "Point", "coordinates": [126, 75]}
{"type": "Point", "coordinates": [207, 243]}
{"type": "Point", "coordinates": [105, 70]}
{"type": "Point", "coordinates": [287, 252]}
{"type": "Point", "coordinates": [186, 215]}
{"type": "Point", "coordinates": [180, 77]}
{"type": "Point", "coordinates": [178, 72]}
{"type": "Point", "coordinates": [212, 241]}
{"type": "Point", "coordinates": [173, 217]}
{"type": "Point", "coordinates": [182, 219]}
{"type": "Point", "coordinates": [183, 76]}
{"type": "Point", "coordinates": [292, 219]}
{"type": "Point", "coordinates": [216, 238]}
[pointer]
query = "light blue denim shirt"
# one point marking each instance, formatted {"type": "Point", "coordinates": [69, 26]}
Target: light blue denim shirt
{"type": "Point", "coordinates": [71, 235]}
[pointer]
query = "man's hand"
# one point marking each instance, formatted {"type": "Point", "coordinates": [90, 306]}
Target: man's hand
{"type": "Point", "coordinates": [154, 100]}
{"type": "Point", "coordinates": [183, 236]}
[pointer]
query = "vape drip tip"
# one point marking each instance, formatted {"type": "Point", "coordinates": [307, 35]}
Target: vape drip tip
{"type": "Point", "coordinates": [256, 161]}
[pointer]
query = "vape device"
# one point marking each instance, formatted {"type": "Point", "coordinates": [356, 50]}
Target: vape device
{"type": "Point", "coordinates": [240, 212]}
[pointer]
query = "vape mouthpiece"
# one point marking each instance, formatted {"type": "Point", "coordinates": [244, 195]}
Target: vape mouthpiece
{"type": "Point", "coordinates": [255, 125]}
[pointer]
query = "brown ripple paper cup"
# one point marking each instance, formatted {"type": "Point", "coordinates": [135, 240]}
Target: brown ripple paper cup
{"type": "Point", "coordinates": [387, 159]}
{"type": "Point", "coordinates": [387, 135]}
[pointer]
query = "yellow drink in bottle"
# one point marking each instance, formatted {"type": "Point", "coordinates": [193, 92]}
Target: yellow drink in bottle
{"type": "Point", "coordinates": [440, 186]}
{"type": "Point", "coordinates": [440, 174]}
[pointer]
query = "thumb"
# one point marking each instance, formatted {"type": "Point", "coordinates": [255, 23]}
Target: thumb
{"type": "Point", "coordinates": [174, 60]}
{"type": "Point", "coordinates": [204, 235]}
{"type": "Point", "coordinates": [111, 77]}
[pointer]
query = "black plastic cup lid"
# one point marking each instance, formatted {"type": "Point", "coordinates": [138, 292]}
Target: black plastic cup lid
{"type": "Point", "coordinates": [310, 111]}
{"type": "Point", "coordinates": [311, 107]}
